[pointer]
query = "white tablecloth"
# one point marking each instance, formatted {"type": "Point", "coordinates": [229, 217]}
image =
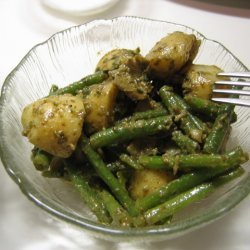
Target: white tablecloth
{"type": "Point", "coordinates": [24, 23]}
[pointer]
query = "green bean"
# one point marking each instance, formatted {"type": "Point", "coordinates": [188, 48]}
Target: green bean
{"type": "Point", "coordinates": [219, 131]}
{"type": "Point", "coordinates": [171, 150]}
{"type": "Point", "coordinates": [130, 130]}
{"type": "Point", "coordinates": [190, 117]}
{"type": "Point", "coordinates": [130, 161]}
{"type": "Point", "coordinates": [148, 114]}
{"type": "Point", "coordinates": [180, 201]}
{"type": "Point", "coordinates": [123, 177]}
{"type": "Point", "coordinates": [177, 203]}
{"type": "Point", "coordinates": [106, 175]}
{"type": "Point", "coordinates": [207, 108]}
{"type": "Point", "coordinates": [176, 186]}
{"type": "Point", "coordinates": [55, 169]}
{"type": "Point", "coordinates": [50, 166]}
{"type": "Point", "coordinates": [193, 161]}
{"type": "Point", "coordinates": [41, 159]}
{"type": "Point", "coordinates": [194, 119]}
{"type": "Point", "coordinates": [53, 89]}
{"type": "Point", "coordinates": [202, 106]}
{"type": "Point", "coordinates": [116, 166]}
{"type": "Point", "coordinates": [73, 88]}
{"type": "Point", "coordinates": [89, 195]}
{"type": "Point", "coordinates": [186, 144]}
{"type": "Point", "coordinates": [117, 212]}
{"type": "Point", "coordinates": [237, 172]}
{"type": "Point", "coordinates": [189, 123]}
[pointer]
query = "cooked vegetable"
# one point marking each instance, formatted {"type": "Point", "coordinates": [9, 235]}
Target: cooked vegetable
{"type": "Point", "coordinates": [127, 70]}
{"type": "Point", "coordinates": [130, 161]}
{"type": "Point", "coordinates": [152, 113]}
{"type": "Point", "coordinates": [199, 80]}
{"type": "Point", "coordinates": [118, 190]}
{"type": "Point", "coordinates": [146, 181]}
{"type": "Point", "coordinates": [171, 54]}
{"type": "Point", "coordinates": [115, 58]}
{"type": "Point", "coordinates": [131, 79]}
{"type": "Point", "coordinates": [99, 105]}
{"type": "Point", "coordinates": [173, 205]}
{"type": "Point", "coordinates": [190, 124]}
{"type": "Point", "coordinates": [54, 124]}
{"type": "Point", "coordinates": [141, 136]}
{"type": "Point", "coordinates": [193, 161]}
{"type": "Point", "coordinates": [90, 196]}
{"type": "Point", "coordinates": [148, 145]}
{"type": "Point", "coordinates": [203, 106]}
{"type": "Point", "coordinates": [185, 143]}
{"type": "Point", "coordinates": [53, 89]}
{"type": "Point", "coordinates": [207, 108]}
{"type": "Point", "coordinates": [177, 186]}
{"type": "Point", "coordinates": [75, 87]}
{"type": "Point", "coordinates": [40, 159]}
{"type": "Point", "coordinates": [130, 130]}
{"type": "Point", "coordinates": [117, 212]}
{"type": "Point", "coordinates": [219, 132]}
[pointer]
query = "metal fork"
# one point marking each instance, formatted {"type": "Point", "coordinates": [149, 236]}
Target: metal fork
{"type": "Point", "coordinates": [242, 80]}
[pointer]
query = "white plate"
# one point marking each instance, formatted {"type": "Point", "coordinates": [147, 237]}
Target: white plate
{"type": "Point", "coordinates": [80, 7]}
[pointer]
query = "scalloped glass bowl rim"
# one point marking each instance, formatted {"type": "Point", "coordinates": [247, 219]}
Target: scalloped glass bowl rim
{"type": "Point", "coordinates": [164, 232]}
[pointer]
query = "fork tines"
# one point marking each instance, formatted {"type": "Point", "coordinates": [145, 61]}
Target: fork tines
{"type": "Point", "coordinates": [234, 93]}
{"type": "Point", "coordinates": [245, 74]}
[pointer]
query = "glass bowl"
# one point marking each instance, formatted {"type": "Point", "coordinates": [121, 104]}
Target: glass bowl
{"type": "Point", "coordinates": [66, 57]}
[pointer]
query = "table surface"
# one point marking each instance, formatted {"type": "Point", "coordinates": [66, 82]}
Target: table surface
{"type": "Point", "coordinates": [23, 24]}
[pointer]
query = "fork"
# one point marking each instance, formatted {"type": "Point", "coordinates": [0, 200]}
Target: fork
{"type": "Point", "coordinates": [237, 88]}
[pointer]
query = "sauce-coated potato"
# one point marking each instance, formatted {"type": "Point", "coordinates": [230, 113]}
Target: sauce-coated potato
{"type": "Point", "coordinates": [199, 80]}
{"type": "Point", "coordinates": [99, 106]}
{"type": "Point", "coordinates": [54, 123]}
{"type": "Point", "coordinates": [127, 69]}
{"type": "Point", "coordinates": [114, 58]}
{"type": "Point", "coordinates": [171, 53]}
{"type": "Point", "coordinates": [146, 181]}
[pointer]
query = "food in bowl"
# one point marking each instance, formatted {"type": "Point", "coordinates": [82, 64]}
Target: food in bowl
{"type": "Point", "coordinates": [139, 138]}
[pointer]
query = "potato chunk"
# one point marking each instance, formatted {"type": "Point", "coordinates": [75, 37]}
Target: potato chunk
{"type": "Point", "coordinates": [114, 58]}
{"type": "Point", "coordinates": [54, 123]}
{"type": "Point", "coordinates": [132, 83]}
{"type": "Point", "coordinates": [171, 53]}
{"type": "Point", "coordinates": [199, 80]}
{"type": "Point", "coordinates": [99, 105]}
{"type": "Point", "coordinates": [127, 68]}
{"type": "Point", "coordinates": [147, 181]}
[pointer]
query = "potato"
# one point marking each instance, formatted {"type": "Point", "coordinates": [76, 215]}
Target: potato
{"type": "Point", "coordinates": [131, 79]}
{"type": "Point", "coordinates": [127, 68]}
{"type": "Point", "coordinates": [114, 58]}
{"type": "Point", "coordinates": [199, 80]}
{"type": "Point", "coordinates": [54, 124]}
{"type": "Point", "coordinates": [147, 181]}
{"type": "Point", "coordinates": [99, 105]}
{"type": "Point", "coordinates": [170, 54]}
{"type": "Point", "coordinates": [136, 88]}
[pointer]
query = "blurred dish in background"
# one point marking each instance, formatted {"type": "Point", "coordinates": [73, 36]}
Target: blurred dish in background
{"type": "Point", "coordinates": [80, 7]}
